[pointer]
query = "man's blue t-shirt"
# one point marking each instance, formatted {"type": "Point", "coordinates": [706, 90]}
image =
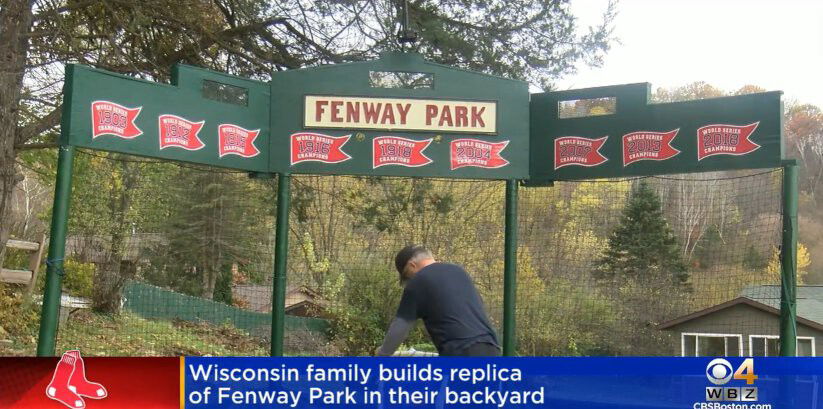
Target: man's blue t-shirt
{"type": "Point", "coordinates": [445, 298]}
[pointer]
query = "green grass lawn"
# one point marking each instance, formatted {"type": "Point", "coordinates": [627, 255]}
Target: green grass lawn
{"type": "Point", "coordinates": [128, 335]}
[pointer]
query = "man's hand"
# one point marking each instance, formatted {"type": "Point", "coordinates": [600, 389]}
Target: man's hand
{"type": "Point", "coordinates": [378, 352]}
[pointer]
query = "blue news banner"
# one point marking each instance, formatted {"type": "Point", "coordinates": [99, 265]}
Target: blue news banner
{"type": "Point", "coordinates": [561, 383]}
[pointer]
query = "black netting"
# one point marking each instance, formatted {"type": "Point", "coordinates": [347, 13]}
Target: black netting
{"type": "Point", "coordinates": [613, 267]}
{"type": "Point", "coordinates": [617, 267]}
{"type": "Point", "coordinates": [346, 231]}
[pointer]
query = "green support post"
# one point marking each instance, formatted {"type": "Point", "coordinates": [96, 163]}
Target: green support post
{"type": "Point", "coordinates": [281, 252]}
{"type": "Point", "coordinates": [50, 313]}
{"type": "Point", "coordinates": [788, 261]}
{"type": "Point", "coordinates": [510, 271]}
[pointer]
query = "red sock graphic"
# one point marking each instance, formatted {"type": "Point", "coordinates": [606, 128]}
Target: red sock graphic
{"type": "Point", "coordinates": [58, 388]}
{"type": "Point", "coordinates": [78, 382]}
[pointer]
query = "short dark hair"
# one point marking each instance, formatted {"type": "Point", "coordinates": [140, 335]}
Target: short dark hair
{"type": "Point", "coordinates": [407, 253]}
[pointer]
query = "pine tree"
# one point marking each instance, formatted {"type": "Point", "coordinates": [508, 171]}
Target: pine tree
{"type": "Point", "coordinates": [753, 260]}
{"type": "Point", "coordinates": [705, 255]}
{"type": "Point", "coordinates": [643, 246]}
{"type": "Point", "coordinates": [215, 221]}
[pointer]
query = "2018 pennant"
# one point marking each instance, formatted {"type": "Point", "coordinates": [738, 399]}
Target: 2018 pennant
{"type": "Point", "coordinates": [722, 139]}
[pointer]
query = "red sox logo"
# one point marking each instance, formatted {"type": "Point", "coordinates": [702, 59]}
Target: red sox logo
{"type": "Point", "coordinates": [69, 384]}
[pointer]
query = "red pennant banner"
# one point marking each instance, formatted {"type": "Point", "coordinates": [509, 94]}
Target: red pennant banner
{"type": "Point", "coordinates": [393, 150]}
{"type": "Point", "coordinates": [177, 131]}
{"type": "Point", "coordinates": [109, 118]}
{"type": "Point", "coordinates": [477, 153]}
{"type": "Point", "coordinates": [721, 139]}
{"type": "Point", "coordinates": [578, 151]}
{"type": "Point", "coordinates": [646, 145]}
{"type": "Point", "coordinates": [315, 147]}
{"type": "Point", "coordinates": [235, 140]}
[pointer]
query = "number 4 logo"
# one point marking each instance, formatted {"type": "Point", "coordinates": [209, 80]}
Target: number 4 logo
{"type": "Point", "coordinates": [746, 372]}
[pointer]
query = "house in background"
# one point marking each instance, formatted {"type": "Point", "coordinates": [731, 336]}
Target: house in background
{"type": "Point", "coordinates": [750, 325]}
{"type": "Point", "coordinates": [300, 300]}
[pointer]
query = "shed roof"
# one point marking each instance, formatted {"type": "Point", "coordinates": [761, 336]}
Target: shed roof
{"type": "Point", "coordinates": [767, 298]}
{"type": "Point", "coordinates": [809, 299]}
{"type": "Point", "coordinates": [258, 296]}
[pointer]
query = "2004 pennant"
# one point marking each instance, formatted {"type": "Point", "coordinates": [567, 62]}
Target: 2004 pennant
{"type": "Point", "coordinates": [477, 153]}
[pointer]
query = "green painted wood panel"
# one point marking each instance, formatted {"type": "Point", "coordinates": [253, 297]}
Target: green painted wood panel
{"type": "Point", "coordinates": [303, 124]}
{"type": "Point", "coordinates": [139, 132]}
{"type": "Point", "coordinates": [666, 136]}
{"type": "Point", "coordinates": [289, 89]}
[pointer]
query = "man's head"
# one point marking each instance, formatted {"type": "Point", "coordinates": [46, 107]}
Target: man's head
{"type": "Point", "coordinates": [410, 260]}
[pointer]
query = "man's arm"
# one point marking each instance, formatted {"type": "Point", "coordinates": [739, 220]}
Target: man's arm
{"type": "Point", "coordinates": [397, 333]}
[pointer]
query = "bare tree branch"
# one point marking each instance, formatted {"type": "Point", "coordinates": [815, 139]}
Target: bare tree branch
{"type": "Point", "coordinates": [49, 121]}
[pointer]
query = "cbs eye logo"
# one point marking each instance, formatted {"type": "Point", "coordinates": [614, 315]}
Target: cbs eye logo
{"type": "Point", "coordinates": [719, 371]}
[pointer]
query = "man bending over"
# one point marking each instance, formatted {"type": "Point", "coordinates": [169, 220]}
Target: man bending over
{"type": "Point", "coordinates": [444, 297]}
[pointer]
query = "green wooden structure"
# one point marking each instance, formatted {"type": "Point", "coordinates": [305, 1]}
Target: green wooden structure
{"type": "Point", "coordinates": [640, 138]}
{"type": "Point", "coordinates": [403, 116]}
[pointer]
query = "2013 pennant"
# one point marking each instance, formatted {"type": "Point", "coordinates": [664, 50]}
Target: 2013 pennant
{"type": "Point", "coordinates": [648, 145]}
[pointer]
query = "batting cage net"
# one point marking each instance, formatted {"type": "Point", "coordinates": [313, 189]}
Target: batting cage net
{"type": "Point", "coordinates": [650, 266]}
{"type": "Point", "coordinates": [181, 261]}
